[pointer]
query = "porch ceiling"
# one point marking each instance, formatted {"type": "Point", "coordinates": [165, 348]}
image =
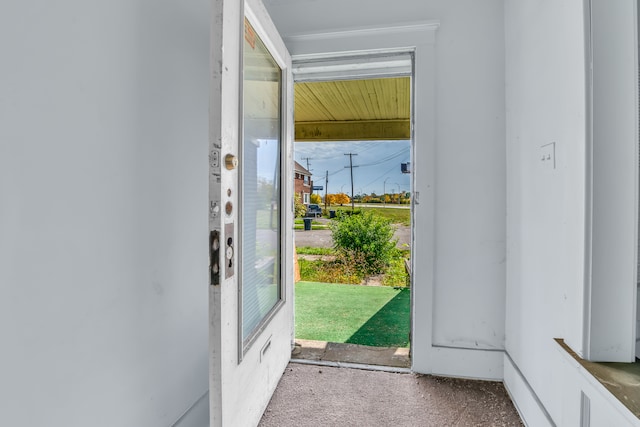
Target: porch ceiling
{"type": "Point", "coordinates": [353, 110]}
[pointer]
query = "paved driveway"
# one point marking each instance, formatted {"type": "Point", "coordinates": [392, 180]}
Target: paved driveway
{"type": "Point", "coordinates": [322, 238]}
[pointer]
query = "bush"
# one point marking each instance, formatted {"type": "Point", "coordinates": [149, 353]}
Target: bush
{"type": "Point", "coordinates": [299, 210]}
{"type": "Point", "coordinates": [366, 240]}
{"type": "Point", "coordinates": [335, 271]}
{"type": "Point", "coordinates": [350, 212]}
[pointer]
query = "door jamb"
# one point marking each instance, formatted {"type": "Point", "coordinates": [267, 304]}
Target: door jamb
{"type": "Point", "coordinates": [371, 69]}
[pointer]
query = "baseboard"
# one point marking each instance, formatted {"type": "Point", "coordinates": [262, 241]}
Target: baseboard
{"type": "Point", "coordinates": [197, 415]}
{"type": "Point", "coordinates": [531, 410]}
{"type": "Point", "coordinates": [467, 363]}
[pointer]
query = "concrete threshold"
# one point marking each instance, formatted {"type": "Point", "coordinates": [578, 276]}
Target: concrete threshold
{"type": "Point", "coordinates": [343, 354]}
{"type": "Point", "coordinates": [311, 396]}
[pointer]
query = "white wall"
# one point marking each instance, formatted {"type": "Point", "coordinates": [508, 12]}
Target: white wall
{"type": "Point", "coordinates": [638, 229]}
{"type": "Point", "coordinates": [467, 305]}
{"type": "Point", "coordinates": [545, 62]}
{"type": "Point", "coordinates": [549, 295]}
{"type": "Point", "coordinates": [545, 103]}
{"type": "Point", "coordinates": [103, 211]}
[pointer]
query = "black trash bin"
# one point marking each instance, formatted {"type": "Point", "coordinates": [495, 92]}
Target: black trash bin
{"type": "Point", "coordinates": [332, 214]}
{"type": "Point", "coordinates": [307, 224]}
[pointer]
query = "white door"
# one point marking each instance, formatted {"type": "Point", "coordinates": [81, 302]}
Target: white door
{"type": "Point", "coordinates": [250, 212]}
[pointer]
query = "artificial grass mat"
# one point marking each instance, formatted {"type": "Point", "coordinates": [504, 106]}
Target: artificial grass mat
{"type": "Point", "coordinates": [367, 315]}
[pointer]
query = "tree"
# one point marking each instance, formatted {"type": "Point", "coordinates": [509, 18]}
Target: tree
{"type": "Point", "coordinates": [337, 199]}
{"type": "Point", "coordinates": [342, 198]}
{"type": "Point", "coordinates": [315, 199]}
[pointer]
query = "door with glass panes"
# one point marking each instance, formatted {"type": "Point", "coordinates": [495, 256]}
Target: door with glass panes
{"type": "Point", "coordinates": [250, 211]}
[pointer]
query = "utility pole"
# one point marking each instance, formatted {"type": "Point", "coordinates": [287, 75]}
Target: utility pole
{"type": "Point", "coordinates": [307, 159]}
{"type": "Point", "coordinates": [384, 192]}
{"type": "Point", "coordinates": [351, 167]}
{"type": "Point", "coordinates": [326, 188]}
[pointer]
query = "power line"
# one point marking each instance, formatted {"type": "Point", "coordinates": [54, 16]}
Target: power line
{"type": "Point", "coordinates": [381, 176]}
{"type": "Point", "coordinates": [386, 159]}
{"type": "Point", "coordinates": [335, 172]}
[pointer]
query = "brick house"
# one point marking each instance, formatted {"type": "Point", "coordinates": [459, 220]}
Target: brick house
{"type": "Point", "coordinates": [302, 183]}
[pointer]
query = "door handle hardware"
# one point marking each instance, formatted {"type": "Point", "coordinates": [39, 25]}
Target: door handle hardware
{"type": "Point", "coordinates": [230, 161]}
{"type": "Point", "coordinates": [214, 257]}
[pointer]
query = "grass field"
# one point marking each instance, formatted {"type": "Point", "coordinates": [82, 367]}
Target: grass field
{"type": "Point", "coordinates": [367, 315]}
{"type": "Point", "coordinates": [298, 224]}
{"type": "Point", "coordinates": [308, 250]}
{"type": "Point", "coordinates": [397, 216]}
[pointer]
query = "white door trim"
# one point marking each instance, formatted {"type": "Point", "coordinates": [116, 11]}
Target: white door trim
{"type": "Point", "coordinates": [611, 238]}
{"type": "Point", "coordinates": [420, 39]}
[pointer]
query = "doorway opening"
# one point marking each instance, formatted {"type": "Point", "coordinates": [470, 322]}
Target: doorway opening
{"type": "Point", "coordinates": [353, 150]}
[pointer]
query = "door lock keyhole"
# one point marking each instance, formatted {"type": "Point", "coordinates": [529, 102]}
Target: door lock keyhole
{"type": "Point", "coordinates": [229, 253]}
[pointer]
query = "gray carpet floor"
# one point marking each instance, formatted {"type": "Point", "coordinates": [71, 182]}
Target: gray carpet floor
{"type": "Point", "coordinates": [309, 395]}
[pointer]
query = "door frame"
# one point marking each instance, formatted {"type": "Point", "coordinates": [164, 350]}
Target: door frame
{"type": "Point", "coordinates": [365, 65]}
{"type": "Point", "coordinates": [610, 312]}
{"type": "Point", "coordinates": [419, 38]}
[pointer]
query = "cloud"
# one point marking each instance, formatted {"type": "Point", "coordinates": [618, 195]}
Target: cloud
{"type": "Point", "coordinates": [375, 162]}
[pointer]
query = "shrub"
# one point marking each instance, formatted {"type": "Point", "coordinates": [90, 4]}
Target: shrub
{"type": "Point", "coordinates": [366, 240]}
{"type": "Point", "coordinates": [396, 274]}
{"type": "Point", "coordinates": [298, 208]}
{"type": "Point", "coordinates": [329, 272]}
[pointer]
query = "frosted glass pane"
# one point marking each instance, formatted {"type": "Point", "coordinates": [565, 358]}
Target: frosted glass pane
{"type": "Point", "coordinates": [260, 168]}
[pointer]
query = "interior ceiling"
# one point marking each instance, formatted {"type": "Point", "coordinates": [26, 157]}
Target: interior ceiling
{"type": "Point", "coordinates": [353, 110]}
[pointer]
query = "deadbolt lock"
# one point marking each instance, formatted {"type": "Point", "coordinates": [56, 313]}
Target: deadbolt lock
{"type": "Point", "coordinates": [230, 161]}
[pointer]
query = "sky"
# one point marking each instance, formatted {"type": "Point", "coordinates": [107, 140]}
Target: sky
{"type": "Point", "coordinates": [374, 163]}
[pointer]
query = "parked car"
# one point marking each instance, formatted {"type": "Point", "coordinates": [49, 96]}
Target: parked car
{"type": "Point", "coordinates": [314, 211]}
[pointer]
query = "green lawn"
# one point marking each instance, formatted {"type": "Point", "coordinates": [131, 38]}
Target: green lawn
{"type": "Point", "coordinates": [298, 224]}
{"type": "Point", "coordinates": [397, 216]}
{"type": "Point", "coordinates": [367, 315]}
{"type": "Point", "coordinates": [308, 250]}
